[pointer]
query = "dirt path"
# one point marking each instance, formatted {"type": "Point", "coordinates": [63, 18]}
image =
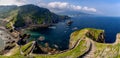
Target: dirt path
{"type": "Point", "coordinates": [90, 51]}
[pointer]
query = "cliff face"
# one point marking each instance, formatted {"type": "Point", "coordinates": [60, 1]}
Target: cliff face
{"type": "Point", "coordinates": [101, 38]}
{"type": "Point", "coordinates": [117, 38]}
{"type": "Point", "coordinates": [96, 36]}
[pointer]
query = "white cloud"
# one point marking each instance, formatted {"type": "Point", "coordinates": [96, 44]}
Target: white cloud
{"type": "Point", "coordinates": [11, 2]}
{"type": "Point", "coordinates": [53, 6]}
{"type": "Point", "coordinates": [58, 5]}
{"type": "Point", "coordinates": [75, 7]}
{"type": "Point", "coordinates": [89, 9]}
{"type": "Point", "coordinates": [67, 6]}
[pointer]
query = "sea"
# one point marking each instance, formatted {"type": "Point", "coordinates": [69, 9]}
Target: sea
{"type": "Point", "coordinates": [59, 34]}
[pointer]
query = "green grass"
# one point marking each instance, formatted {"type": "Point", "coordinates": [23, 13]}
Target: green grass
{"type": "Point", "coordinates": [109, 49]}
{"type": "Point", "coordinates": [74, 53]}
{"type": "Point", "coordinates": [95, 33]}
{"type": "Point", "coordinates": [75, 36]}
{"type": "Point", "coordinates": [18, 56]}
{"type": "Point", "coordinates": [79, 34]}
{"type": "Point", "coordinates": [23, 48]}
{"type": "Point", "coordinates": [27, 48]}
{"type": "Point", "coordinates": [102, 49]}
{"type": "Point", "coordinates": [16, 51]}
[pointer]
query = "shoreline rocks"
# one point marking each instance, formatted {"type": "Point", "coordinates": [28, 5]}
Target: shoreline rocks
{"type": "Point", "coordinates": [117, 39]}
{"type": "Point", "coordinates": [69, 22]}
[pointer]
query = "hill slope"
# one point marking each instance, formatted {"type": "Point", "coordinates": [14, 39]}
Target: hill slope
{"type": "Point", "coordinates": [83, 47]}
{"type": "Point", "coordinates": [28, 15]}
{"type": "Point", "coordinates": [5, 10]}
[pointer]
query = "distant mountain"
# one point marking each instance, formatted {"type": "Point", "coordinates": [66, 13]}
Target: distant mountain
{"type": "Point", "coordinates": [28, 15]}
{"type": "Point", "coordinates": [73, 13]}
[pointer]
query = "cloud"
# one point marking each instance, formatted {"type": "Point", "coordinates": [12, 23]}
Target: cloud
{"type": "Point", "coordinates": [67, 6]}
{"type": "Point", "coordinates": [11, 2]}
{"type": "Point", "coordinates": [53, 6]}
{"type": "Point", "coordinates": [19, 2]}
{"type": "Point", "coordinates": [89, 9]}
{"type": "Point", "coordinates": [58, 5]}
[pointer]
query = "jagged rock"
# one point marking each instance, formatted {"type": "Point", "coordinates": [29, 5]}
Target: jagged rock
{"type": "Point", "coordinates": [101, 38]}
{"type": "Point", "coordinates": [23, 39]}
{"type": "Point", "coordinates": [69, 22]}
{"type": "Point", "coordinates": [37, 49]}
{"type": "Point", "coordinates": [96, 35]}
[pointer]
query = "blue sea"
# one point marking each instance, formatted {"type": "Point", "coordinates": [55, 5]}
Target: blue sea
{"type": "Point", "coordinates": [60, 33]}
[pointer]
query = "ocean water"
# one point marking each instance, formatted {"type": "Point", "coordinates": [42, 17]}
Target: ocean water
{"type": "Point", "coordinates": [60, 33]}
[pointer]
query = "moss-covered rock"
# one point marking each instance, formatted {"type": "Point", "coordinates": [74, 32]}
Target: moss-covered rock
{"type": "Point", "coordinates": [96, 35]}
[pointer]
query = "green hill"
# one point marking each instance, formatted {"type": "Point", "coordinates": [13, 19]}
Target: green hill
{"type": "Point", "coordinates": [28, 15]}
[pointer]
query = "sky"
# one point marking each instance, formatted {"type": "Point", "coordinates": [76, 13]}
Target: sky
{"type": "Point", "coordinates": [102, 7]}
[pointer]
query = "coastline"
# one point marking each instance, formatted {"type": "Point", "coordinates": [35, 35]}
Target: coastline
{"type": "Point", "coordinates": [90, 46]}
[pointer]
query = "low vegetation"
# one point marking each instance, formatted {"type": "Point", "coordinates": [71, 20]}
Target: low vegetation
{"type": "Point", "coordinates": [80, 42]}
{"type": "Point", "coordinates": [28, 15]}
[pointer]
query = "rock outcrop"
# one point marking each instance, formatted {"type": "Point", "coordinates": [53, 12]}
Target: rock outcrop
{"type": "Point", "coordinates": [117, 39]}
{"type": "Point", "coordinates": [96, 37]}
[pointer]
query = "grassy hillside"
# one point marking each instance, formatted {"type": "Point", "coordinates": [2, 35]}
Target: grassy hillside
{"type": "Point", "coordinates": [81, 45]}
{"type": "Point", "coordinates": [100, 50]}
{"type": "Point", "coordinates": [107, 50]}
{"type": "Point", "coordinates": [79, 50]}
{"type": "Point", "coordinates": [87, 32]}
{"type": "Point", "coordinates": [28, 15]}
